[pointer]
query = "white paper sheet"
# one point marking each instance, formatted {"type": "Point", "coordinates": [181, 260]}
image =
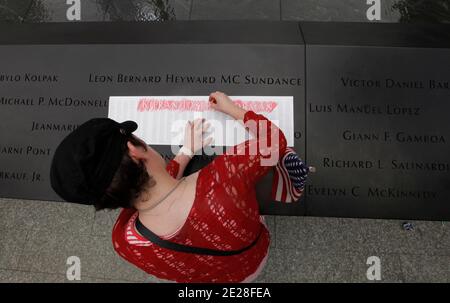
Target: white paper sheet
{"type": "Point", "coordinates": [162, 119]}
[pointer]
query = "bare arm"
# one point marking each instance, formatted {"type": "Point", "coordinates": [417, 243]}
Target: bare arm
{"type": "Point", "coordinates": [183, 161]}
{"type": "Point", "coordinates": [221, 102]}
{"type": "Point", "coordinates": [194, 140]}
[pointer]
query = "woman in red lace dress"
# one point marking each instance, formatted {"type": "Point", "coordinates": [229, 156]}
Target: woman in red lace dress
{"type": "Point", "coordinates": [215, 209]}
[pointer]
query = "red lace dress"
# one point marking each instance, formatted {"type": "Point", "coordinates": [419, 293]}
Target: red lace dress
{"type": "Point", "coordinates": [224, 215]}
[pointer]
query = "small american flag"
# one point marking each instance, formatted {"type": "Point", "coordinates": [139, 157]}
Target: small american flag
{"type": "Point", "coordinates": [289, 177]}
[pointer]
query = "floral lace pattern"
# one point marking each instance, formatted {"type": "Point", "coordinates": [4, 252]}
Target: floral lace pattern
{"type": "Point", "coordinates": [225, 215]}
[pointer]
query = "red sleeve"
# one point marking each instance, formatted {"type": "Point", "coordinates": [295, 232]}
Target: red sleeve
{"type": "Point", "coordinates": [173, 167]}
{"type": "Point", "coordinates": [254, 158]}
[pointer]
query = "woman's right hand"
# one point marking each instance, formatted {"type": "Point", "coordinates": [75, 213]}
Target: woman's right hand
{"type": "Point", "coordinates": [221, 102]}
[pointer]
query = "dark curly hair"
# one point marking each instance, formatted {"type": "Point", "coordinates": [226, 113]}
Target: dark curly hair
{"type": "Point", "coordinates": [129, 182]}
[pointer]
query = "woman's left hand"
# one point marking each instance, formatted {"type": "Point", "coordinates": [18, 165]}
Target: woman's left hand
{"type": "Point", "coordinates": [194, 137]}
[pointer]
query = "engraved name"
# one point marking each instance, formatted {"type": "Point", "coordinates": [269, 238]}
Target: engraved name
{"type": "Point", "coordinates": [71, 102]}
{"type": "Point", "coordinates": [390, 83]}
{"type": "Point", "coordinates": [58, 127]}
{"type": "Point", "coordinates": [29, 77]}
{"type": "Point", "coordinates": [53, 102]}
{"type": "Point", "coordinates": [236, 79]}
{"type": "Point", "coordinates": [24, 150]}
{"type": "Point", "coordinates": [400, 137]}
{"type": "Point", "coordinates": [371, 192]}
{"type": "Point", "coordinates": [395, 164]}
{"type": "Point", "coordinates": [366, 109]}
{"type": "Point", "coordinates": [20, 176]}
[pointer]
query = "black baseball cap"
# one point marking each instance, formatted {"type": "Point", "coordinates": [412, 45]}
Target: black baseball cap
{"type": "Point", "coordinates": [85, 162]}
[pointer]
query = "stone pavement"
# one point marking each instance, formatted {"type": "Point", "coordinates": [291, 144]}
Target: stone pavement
{"type": "Point", "coordinates": [37, 237]}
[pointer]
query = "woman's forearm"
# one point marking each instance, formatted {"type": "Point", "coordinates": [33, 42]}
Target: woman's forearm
{"type": "Point", "coordinates": [183, 160]}
{"type": "Point", "coordinates": [236, 112]}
